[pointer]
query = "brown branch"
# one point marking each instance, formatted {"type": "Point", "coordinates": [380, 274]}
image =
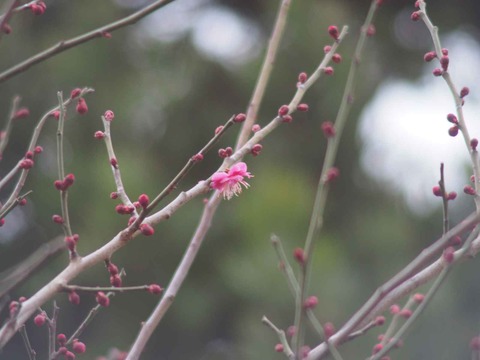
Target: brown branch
{"type": "Point", "coordinates": [68, 44]}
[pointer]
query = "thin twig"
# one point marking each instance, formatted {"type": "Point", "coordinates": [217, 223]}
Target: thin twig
{"type": "Point", "coordinates": [112, 289]}
{"type": "Point", "coordinates": [5, 134]}
{"type": "Point", "coordinates": [32, 355]}
{"type": "Point", "coordinates": [316, 220]}
{"type": "Point", "coordinates": [281, 336]}
{"type": "Point", "coordinates": [6, 15]}
{"type": "Point", "coordinates": [68, 44]}
{"type": "Point", "coordinates": [456, 96]}
{"type": "Point", "coordinates": [265, 72]}
{"type": "Point", "coordinates": [33, 142]}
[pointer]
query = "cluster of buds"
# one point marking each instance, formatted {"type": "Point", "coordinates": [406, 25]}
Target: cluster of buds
{"type": "Point", "coordinates": [71, 242]}
{"type": "Point", "coordinates": [115, 279]}
{"type": "Point", "coordinates": [256, 149]}
{"type": "Point", "coordinates": [38, 8]}
{"type": "Point", "coordinates": [224, 153]}
{"type": "Point", "coordinates": [124, 209]}
{"type": "Point", "coordinates": [63, 185]}
{"type": "Point", "coordinates": [78, 347]}
{"type": "Point", "coordinates": [283, 113]}
{"type": "Point", "coordinates": [437, 191]}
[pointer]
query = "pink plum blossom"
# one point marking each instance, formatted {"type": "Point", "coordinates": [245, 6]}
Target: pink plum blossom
{"type": "Point", "coordinates": [230, 181]}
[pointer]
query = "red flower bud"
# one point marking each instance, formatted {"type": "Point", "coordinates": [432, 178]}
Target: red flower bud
{"type": "Point", "coordinates": [154, 289]}
{"type": "Point", "coordinates": [147, 229]}
{"type": "Point", "coordinates": [82, 107]}
{"type": "Point", "coordinates": [39, 320]}
{"type": "Point", "coordinates": [302, 107]}
{"type": "Point", "coordinates": [75, 93]}
{"type": "Point", "coordinates": [102, 299]}
{"type": "Point", "coordinates": [239, 118]}
{"type": "Point", "coordinates": [74, 298]}
{"type": "Point", "coordinates": [333, 32]}
{"type": "Point", "coordinates": [109, 115]}
{"type": "Point", "coordinates": [283, 110]}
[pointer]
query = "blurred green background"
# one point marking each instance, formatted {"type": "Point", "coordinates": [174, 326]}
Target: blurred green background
{"type": "Point", "coordinates": [170, 87]}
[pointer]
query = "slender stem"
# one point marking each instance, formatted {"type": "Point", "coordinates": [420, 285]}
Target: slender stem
{"type": "Point", "coordinates": [443, 189]}
{"type": "Point", "coordinates": [91, 315]}
{"type": "Point", "coordinates": [265, 72]}
{"type": "Point", "coordinates": [456, 97]}
{"type": "Point", "coordinates": [5, 135]}
{"type": "Point", "coordinates": [61, 166]}
{"type": "Point", "coordinates": [285, 265]}
{"type": "Point", "coordinates": [7, 14]}
{"type": "Point", "coordinates": [52, 331]}
{"type": "Point", "coordinates": [281, 336]}
{"type": "Point", "coordinates": [32, 355]}
{"type": "Point", "coordinates": [117, 176]}
{"type": "Point", "coordinates": [112, 289]}
{"type": "Point", "coordinates": [70, 43]}
{"type": "Point", "coordinates": [316, 220]}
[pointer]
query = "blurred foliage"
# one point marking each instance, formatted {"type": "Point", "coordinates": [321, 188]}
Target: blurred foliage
{"type": "Point", "coordinates": [168, 98]}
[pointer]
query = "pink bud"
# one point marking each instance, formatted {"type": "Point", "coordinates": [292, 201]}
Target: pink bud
{"type": "Point", "coordinates": [256, 149]}
{"type": "Point", "coordinates": [21, 113]}
{"type": "Point", "coordinates": [449, 254]}
{"type": "Point", "coordinates": [444, 62]}
{"type": "Point", "coordinates": [453, 131]}
{"type": "Point", "coordinates": [394, 309]}
{"type": "Point", "coordinates": [75, 93]}
{"type": "Point", "coordinates": [256, 128]}
{"type": "Point", "coordinates": [197, 157]}
{"type": "Point", "coordinates": [328, 70]}
{"type": "Point", "coordinates": [287, 119]}
{"type": "Point", "coordinates": [279, 348]}
{"type": "Point", "coordinates": [62, 339]}
{"type": "Point", "coordinates": [302, 107]}
{"type": "Point", "coordinates": [328, 329]}
{"type": "Point", "coordinates": [429, 56]}
{"type": "Point", "coordinates": [57, 219]}
{"type": "Point", "coordinates": [464, 92]}
{"type": "Point", "coordinates": [310, 302]}
{"type": "Point", "coordinates": [39, 320]}
{"type": "Point", "coordinates": [405, 313]}
{"type": "Point", "coordinates": [299, 255]}
{"type": "Point", "coordinates": [79, 347]}
{"type": "Point", "coordinates": [102, 299]}
{"type": "Point", "coordinates": [337, 58]}
{"type": "Point", "coordinates": [74, 298]}
{"type": "Point", "coordinates": [154, 289]}
{"type": "Point", "coordinates": [452, 195]}
{"type": "Point", "coordinates": [114, 163]}
{"type": "Point", "coordinates": [333, 32]}
{"type": "Point", "coordinates": [437, 191]}
{"type": "Point", "coordinates": [437, 72]}
{"type": "Point", "coordinates": [474, 144]}
{"type": "Point", "coordinates": [144, 200]}
{"type": "Point", "coordinates": [113, 195]}
{"type": "Point", "coordinates": [377, 348]}
{"type": "Point", "coordinates": [239, 118]}
{"type": "Point", "coordinates": [147, 229]}
{"type": "Point", "coordinates": [26, 164]}
{"type": "Point", "coordinates": [332, 174]}
{"type": "Point", "coordinates": [328, 129]}
{"type": "Point", "coordinates": [379, 320]}
{"type": "Point", "coordinates": [452, 118]}
{"type": "Point", "coordinates": [371, 30]}
{"type": "Point", "coordinates": [469, 190]}
{"type": "Point", "coordinates": [302, 77]}
{"type": "Point", "coordinates": [415, 16]}
{"type": "Point", "coordinates": [116, 281]}
{"type": "Point", "coordinates": [283, 110]}
{"type": "Point", "coordinates": [38, 150]}
{"type": "Point", "coordinates": [218, 129]}
{"type": "Point", "coordinates": [99, 135]}
{"type": "Point", "coordinates": [418, 298]}
{"type": "Point", "coordinates": [82, 107]}
{"type": "Point", "coordinates": [109, 115]}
